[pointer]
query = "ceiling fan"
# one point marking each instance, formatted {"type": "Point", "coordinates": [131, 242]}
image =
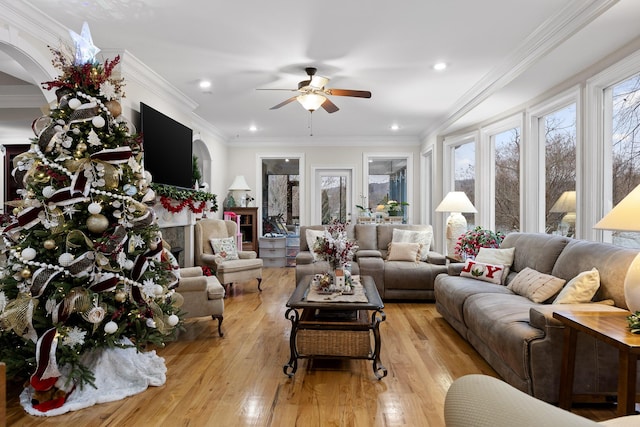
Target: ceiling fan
{"type": "Point", "coordinates": [313, 93]}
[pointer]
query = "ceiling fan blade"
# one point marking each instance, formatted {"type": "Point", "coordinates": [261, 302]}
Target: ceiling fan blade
{"type": "Point", "coordinates": [329, 106]}
{"type": "Point", "coordinates": [318, 82]}
{"type": "Point", "coordinates": [348, 92]}
{"type": "Point", "coordinates": [283, 103]}
{"type": "Point", "coordinates": [288, 90]}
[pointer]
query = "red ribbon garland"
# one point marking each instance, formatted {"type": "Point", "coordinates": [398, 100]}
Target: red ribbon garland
{"type": "Point", "coordinates": [166, 203]}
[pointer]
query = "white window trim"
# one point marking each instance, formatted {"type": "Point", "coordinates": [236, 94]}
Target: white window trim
{"type": "Point", "coordinates": [533, 171]}
{"type": "Point", "coordinates": [427, 180]}
{"type": "Point", "coordinates": [597, 131]}
{"type": "Point", "coordinates": [389, 155]}
{"type": "Point", "coordinates": [489, 179]}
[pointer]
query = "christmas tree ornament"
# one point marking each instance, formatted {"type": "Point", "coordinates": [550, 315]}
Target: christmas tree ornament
{"type": "Point", "coordinates": [28, 254]}
{"type": "Point", "coordinates": [74, 103]}
{"type": "Point", "coordinates": [114, 107]}
{"type": "Point", "coordinates": [49, 244]}
{"type": "Point", "coordinates": [94, 208]}
{"type": "Point", "coordinates": [82, 147]}
{"type": "Point", "coordinates": [25, 273]}
{"type": "Point", "coordinates": [98, 121]}
{"type": "Point", "coordinates": [110, 327]}
{"type": "Point", "coordinates": [65, 259]}
{"type": "Point", "coordinates": [48, 191]}
{"type": "Point", "coordinates": [120, 296]}
{"type": "Point", "coordinates": [86, 51]}
{"type": "Point", "coordinates": [151, 323]}
{"type": "Point", "coordinates": [97, 223]}
{"type": "Point", "coordinates": [173, 320]}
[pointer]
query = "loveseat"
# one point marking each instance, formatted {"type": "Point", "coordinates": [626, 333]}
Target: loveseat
{"type": "Point", "coordinates": [395, 279]}
{"type": "Point", "coordinates": [520, 338]}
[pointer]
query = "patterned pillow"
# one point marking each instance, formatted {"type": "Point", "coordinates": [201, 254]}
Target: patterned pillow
{"type": "Point", "coordinates": [482, 271]}
{"type": "Point", "coordinates": [225, 248]}
{"type": "Point", "coordinates": [536, 286]}
{"type": "Point", "coordinates": [312, 236]}
{"type": "Point", "coordinates": [497, 256]}
{"type": "Point", "coordinates": [424, 237]}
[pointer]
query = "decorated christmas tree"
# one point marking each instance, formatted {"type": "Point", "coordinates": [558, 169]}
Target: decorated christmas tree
{"type": "Point", "coordinates": [83, 268]}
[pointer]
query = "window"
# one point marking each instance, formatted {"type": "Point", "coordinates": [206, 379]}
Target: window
{"type": "Point", "coordinates": [280, 191]}
{"type": "Point", "coordinates": [507, 180]}
{"type": "Point", "coordinates": [387, 177]}
{"type": "Point", "coordinates": [560, 170]}
{"type": "Point", "coordinates": [625, 146]}
{"type": "Point", "coordinates": [464, 174]}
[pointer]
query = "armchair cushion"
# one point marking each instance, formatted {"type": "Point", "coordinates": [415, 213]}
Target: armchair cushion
{"type": "Point", "coordinates": [225, 248]}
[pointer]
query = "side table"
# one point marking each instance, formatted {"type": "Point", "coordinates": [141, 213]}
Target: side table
{"type": "Point", "coordinates": [611, 328]}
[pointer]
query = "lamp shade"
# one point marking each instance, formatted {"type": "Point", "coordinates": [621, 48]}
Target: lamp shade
{"type": "Point", "coordinates": [456, 201]}
{"type": "Point", "coordinates": [239, 184]}
{"type": "Point", "coordinates": [311, 101]}
{"type": "Point", "coordinates": [624, 216]}
{"type": "Point", "coordinates": [565, 203]}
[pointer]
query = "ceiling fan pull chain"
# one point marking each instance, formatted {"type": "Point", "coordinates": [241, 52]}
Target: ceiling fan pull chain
{"type": "Point", "coordinates": [310, 126]}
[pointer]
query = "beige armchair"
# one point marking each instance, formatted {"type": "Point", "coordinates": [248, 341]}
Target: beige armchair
{"type": "Point", "coordinates": [203, 295]}
{"type": "Point", "coordinates": [247, 267]}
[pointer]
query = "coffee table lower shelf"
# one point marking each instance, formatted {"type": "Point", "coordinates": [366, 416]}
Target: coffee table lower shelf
{"type": "Point", "coordinates": [342, 336]}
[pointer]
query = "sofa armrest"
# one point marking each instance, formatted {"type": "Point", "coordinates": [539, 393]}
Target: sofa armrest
{"type": "Point", "coordinates": [304, 257]}
{"type": "Point", "coordinates": [190, 272]}
{"type": "Point", "coordinates": [454, 268]}
{"type": "Point", "coordinates": [368, 253]}
{"type": "Point", "coordinates": [436, 258]}
{"type": "Point", "coordinates": [247, 254]}
{"type": "Point", "coordinates": [192, 284]}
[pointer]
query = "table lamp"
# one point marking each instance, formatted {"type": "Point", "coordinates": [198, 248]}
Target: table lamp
{"type": "Point", "coordinates": [624, 217]}
{"type": "Point", "coordinates": [240, 184]}
{"type": "Point", "coordinates": [566, 204]}
{"type": "Point", "coordinates": [455, 202]}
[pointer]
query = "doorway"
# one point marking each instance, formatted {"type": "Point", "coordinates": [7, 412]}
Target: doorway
{"type": "Point", "coordinates": [333, 195]}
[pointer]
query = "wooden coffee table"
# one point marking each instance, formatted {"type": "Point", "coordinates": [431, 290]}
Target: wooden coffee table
{"type": "Point", "coordinates": [334, 329]}
{"type": "Point", "coordinates": [612, 328]}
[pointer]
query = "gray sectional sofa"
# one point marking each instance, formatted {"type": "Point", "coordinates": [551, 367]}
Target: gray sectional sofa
{"type": "Point", "coordinates": [394, 279]}
{"type": "Point", "coordinates": [520, 339]}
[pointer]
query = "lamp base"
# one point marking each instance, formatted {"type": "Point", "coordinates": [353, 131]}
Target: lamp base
{"type": "Point", "coordinates": [632, 285]}
{"type": "Point", "coordinates": [456, 226]}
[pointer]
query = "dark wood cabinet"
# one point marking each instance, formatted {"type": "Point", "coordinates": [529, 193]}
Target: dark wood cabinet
{"type": "Point", "coordinates": [248, 227]}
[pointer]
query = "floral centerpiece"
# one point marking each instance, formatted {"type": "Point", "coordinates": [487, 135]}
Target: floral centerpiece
{"type": "Point", "coordinates": [334, 246]}
{"type": "Point", "coordinates": [469, 243]}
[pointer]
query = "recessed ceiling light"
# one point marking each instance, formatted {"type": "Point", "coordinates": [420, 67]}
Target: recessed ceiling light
{"type": "Point", "coordinates": [395, 127]}
{"type": "Point", "coordinates": [440, 66]}
{"type": "Point", "coordinates": [253, 128]}
{"type": "Point", "coordinates": [205, 84]}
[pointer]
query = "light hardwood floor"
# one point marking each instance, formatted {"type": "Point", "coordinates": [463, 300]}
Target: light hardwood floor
{"type": "Point", "coordinates": [237, 380]}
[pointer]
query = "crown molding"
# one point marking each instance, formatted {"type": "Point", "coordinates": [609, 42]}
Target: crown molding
{"type": "Point", "coordinates": [574, 16]}
{"type": "Point", "coordinates": [338, 141]}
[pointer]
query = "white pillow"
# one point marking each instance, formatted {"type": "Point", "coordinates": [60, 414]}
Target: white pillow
{"type": "Point", "coordinates": [404, 251]}
{"type": "Point", "coordinates": [580, 289]}
{"type": "Point", "coordinates": [412, 236]}
{"type": "Point", "coordinates": [482, 271]}
{"type": "Point", "coordinates": [536, 286]}
{"type": "Point", "coordinates": [312, 236]}
{"type": "Point", "coordinates": [497, 256]}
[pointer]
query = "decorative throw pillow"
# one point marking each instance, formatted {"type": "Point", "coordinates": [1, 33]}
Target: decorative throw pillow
{"type": "Point", "coordinates": [312, 236]}
{"type": "Point", "coordinates": [580, 289]}
{"type": "Point", "coordinates": [225, 248]}
{"type": "Point", "coordinates": [536, 286]}
{"type": "Point", "coordinates": [497, 256]}
{"type": "Point", "coordinates": [412, 236]}
{"type": "Point", "coordinates": [404, 251]}
{"type": "Point", "coordinates": [483, 271]}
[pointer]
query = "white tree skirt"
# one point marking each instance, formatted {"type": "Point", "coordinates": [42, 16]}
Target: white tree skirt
{"type": "Point", "coordinates": [118, 372]}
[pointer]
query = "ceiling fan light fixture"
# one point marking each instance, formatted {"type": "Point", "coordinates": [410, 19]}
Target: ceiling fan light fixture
{"type": "Point", "coordinates": [311, 101]}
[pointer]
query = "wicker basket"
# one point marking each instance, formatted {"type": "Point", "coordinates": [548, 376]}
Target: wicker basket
{"type": "Point", "coordinates": [315, 342]}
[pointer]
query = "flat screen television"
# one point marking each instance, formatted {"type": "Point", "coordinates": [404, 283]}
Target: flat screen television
{"type": "Point", "coordinates": [167, 148]}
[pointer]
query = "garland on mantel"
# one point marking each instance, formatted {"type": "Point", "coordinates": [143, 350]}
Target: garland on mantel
{"type": "Point", "coordinates": [195, 200]}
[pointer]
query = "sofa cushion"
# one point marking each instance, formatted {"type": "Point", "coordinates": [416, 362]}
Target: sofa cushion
{"type": "Point", "coordinates": [225, 248]}
{"type": "Point", "coordinates": [535, 250]}
{"type": "Point", "coordinates": [423, 237]}
{"type": "Point", "coordinates": [404, 251]}
{"type": "Point", "coordinates": [402, 275]}
{"type": "Point", "coordinates": [491, 273]}
{"type": "Point", "coordinates": [580, 289]}
{"type": "Point", "coordinates": [366, 236]}
{"type": "Point", "coordinates": [536, 286]}
{"type": "Point", "coordinates": [497, 256]}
